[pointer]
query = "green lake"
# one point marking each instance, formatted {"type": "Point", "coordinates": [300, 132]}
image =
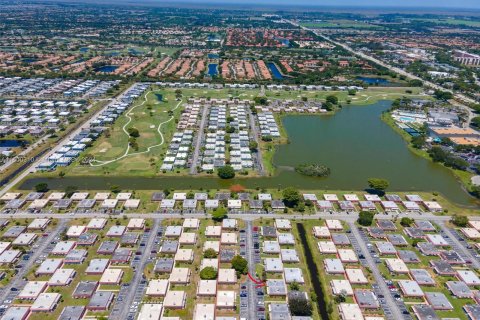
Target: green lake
{"type": "Point", "coordinates": [355, 143]}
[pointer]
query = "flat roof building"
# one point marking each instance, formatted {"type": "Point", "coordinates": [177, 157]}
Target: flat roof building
{"type": "Point", "coordinates": [32, 290]}
{"type": "Point", "coordinates": [438, 301]}
{"type": "Point", "coordinates": [410, 288]}
{"type": "Point", "coordinates": [180, 276]}
{"type": "Point", "coordinates": [333, 266]}
{"type": "Point", "coordinates": [350, 311]}
{"type": "Point", "coordinates": [16, 313]}
{"type": "Point", "coordinates": [204, 312]}
{"type": "Point", "coordinates": [276, 287]}
{"type": "Point", "coordinates": [157, 287]}
{"type": "Point", "coordinates": [111, 276]}
{"type": "Point", "coordinates": [72, 313]}
{"type": "Point", "coordinates": [459, 289]}
{"type": "Point", "coordinates": [85, 289]}
{"type": "Point", "coordinates": [207, 288]}
{"type": "Point", "coordinates": [341, 287]}
{"type": "Point", "coordinates": [366, 299]}
{"type": "Point", "coordinates": [150, 311]}
{"type": "Point", "coordinates": [97, 266]}
{"type": "Point", "coordinates": [293, 275]}
{"type": "Point", "coordinates": [45, 302]}
{"type": "Point", "coordinates": [100, 301]}
{"type": "Point", "coordinates": [49, 266]}
{"type": "Point", "coordinates": [62, 277]}
{"type": "Point", "coordinates": [174, 300]}
{"type": "Point", "coordinates": [226, 299]}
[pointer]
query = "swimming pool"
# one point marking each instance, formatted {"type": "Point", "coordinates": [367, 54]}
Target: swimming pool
{"type": "Point", "coordinates": [407, 119]}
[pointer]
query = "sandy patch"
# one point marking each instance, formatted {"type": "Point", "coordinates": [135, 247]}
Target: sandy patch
{"type": "Point", "coordinates": [102, 150]}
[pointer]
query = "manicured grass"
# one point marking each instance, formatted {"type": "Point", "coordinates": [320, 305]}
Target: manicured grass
{"type": "Point", "coordinates": [146, 117]}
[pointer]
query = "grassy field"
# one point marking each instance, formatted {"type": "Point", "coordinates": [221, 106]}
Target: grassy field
{"type": "Point", "coordinates": [453, 22]}
{"type": "Point", "coordinates": [147, 114]}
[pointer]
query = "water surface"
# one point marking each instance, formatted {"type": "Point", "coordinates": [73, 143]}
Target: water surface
{"type": "Point", "coordinates": [355, 143]}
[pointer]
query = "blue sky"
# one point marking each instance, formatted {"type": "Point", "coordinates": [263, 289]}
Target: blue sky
{"type": "Point", "coordinates": [378, 3]}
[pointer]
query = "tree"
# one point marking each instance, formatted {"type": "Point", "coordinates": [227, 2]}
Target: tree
{"type": "Point", "coordinates": [210, 254]}
{"type": "Point", "coordinates": [115, 188]}
{"type": "Point", "coordinates": [313, 170]}
{"type": "Point", "coordinates": [41, 187]}
{"type": "Point", "coordinates": [226, 172]}
{"type": "Point", "coordinates": [240, 264]}
{"type": "Point", "coordinates": [378, 184]}
{"type": "Point", "coordinates": [476, 122]}
{"type": "Point", "coordinates": [406, 222]}
{"type": "Point", "coordinates": [219, 214]}
{"type": "Point", "coordinates": [418, 141]}
{"type": "Point", "coordinates": [328, 106]}
{"type": "Point", "coordinates": [133, 132]}
{"type": "Point", "coordinates": [332, 99]}
{"type": "Point", "coordinates": [253, 145]}
{"type": "Point", "coordinates": [299, 306]}
{"type": "Point", "coordinates": [443, 95]}
{"type": "Point", "coordinates": [459, 220]}
{"type": "Point", "coordinates": [365, 218]}
{"type": "Point", "coordinates": [208, 273]}
{"type": "Point", "coordinates": [294, 286]}
{"type": "Point", "coordinates": [260, 101]}
{"type": "Point", "coordinates": [70, 190]}
{"type": "Point", "coordinates": [291, 197]}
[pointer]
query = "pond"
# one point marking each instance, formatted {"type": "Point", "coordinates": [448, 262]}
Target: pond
{"type": "Point", "coordinates": [371, 80]}
{"type": "Point", "coordinates": [354, 143]}
{"type": "Point", "coordinates": [212, 69]}
{"type": "Point", "coordinates": [11, 143]}
{"type": "Point", "coordinates": [275, 72]}
{"type": "Point", "coordinates": [134, 51]}
{"type": "Point", "coordinates": [29, 60]}
{"type": "Point", "coordinates": [106, 69]}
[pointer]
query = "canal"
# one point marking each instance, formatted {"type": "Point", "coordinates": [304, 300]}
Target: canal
{"type": "Point", "coordinates": [314, 273]}
{"type": "Point", "coordinates": [354, 143]}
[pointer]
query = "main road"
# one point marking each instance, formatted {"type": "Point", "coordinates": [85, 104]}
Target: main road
{"type": "Point", "coordinates": [59, 144]}
{"type": "Point", "coordinates": [245, 216]}
{"type": "Point", "coordinates": [460, 98]}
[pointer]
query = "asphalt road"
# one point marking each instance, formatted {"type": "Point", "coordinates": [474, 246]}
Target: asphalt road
{"type": "Point", "coordinates": [198, 144]}
{"type": "Point", "coordinates": [251, 268]}
{"type": "Point", "coordinates": [244, 216]}
{"type": "Point", "coordinates": [133, 289]}
{"type": "Point", "coordinates": [17, 281]}
{"type": "Point", "coordinates": [258, 156]}
{"type": "Point", "coordinates": [458, 246]}
{"type": "Point", "coordinates": [392, 306]}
